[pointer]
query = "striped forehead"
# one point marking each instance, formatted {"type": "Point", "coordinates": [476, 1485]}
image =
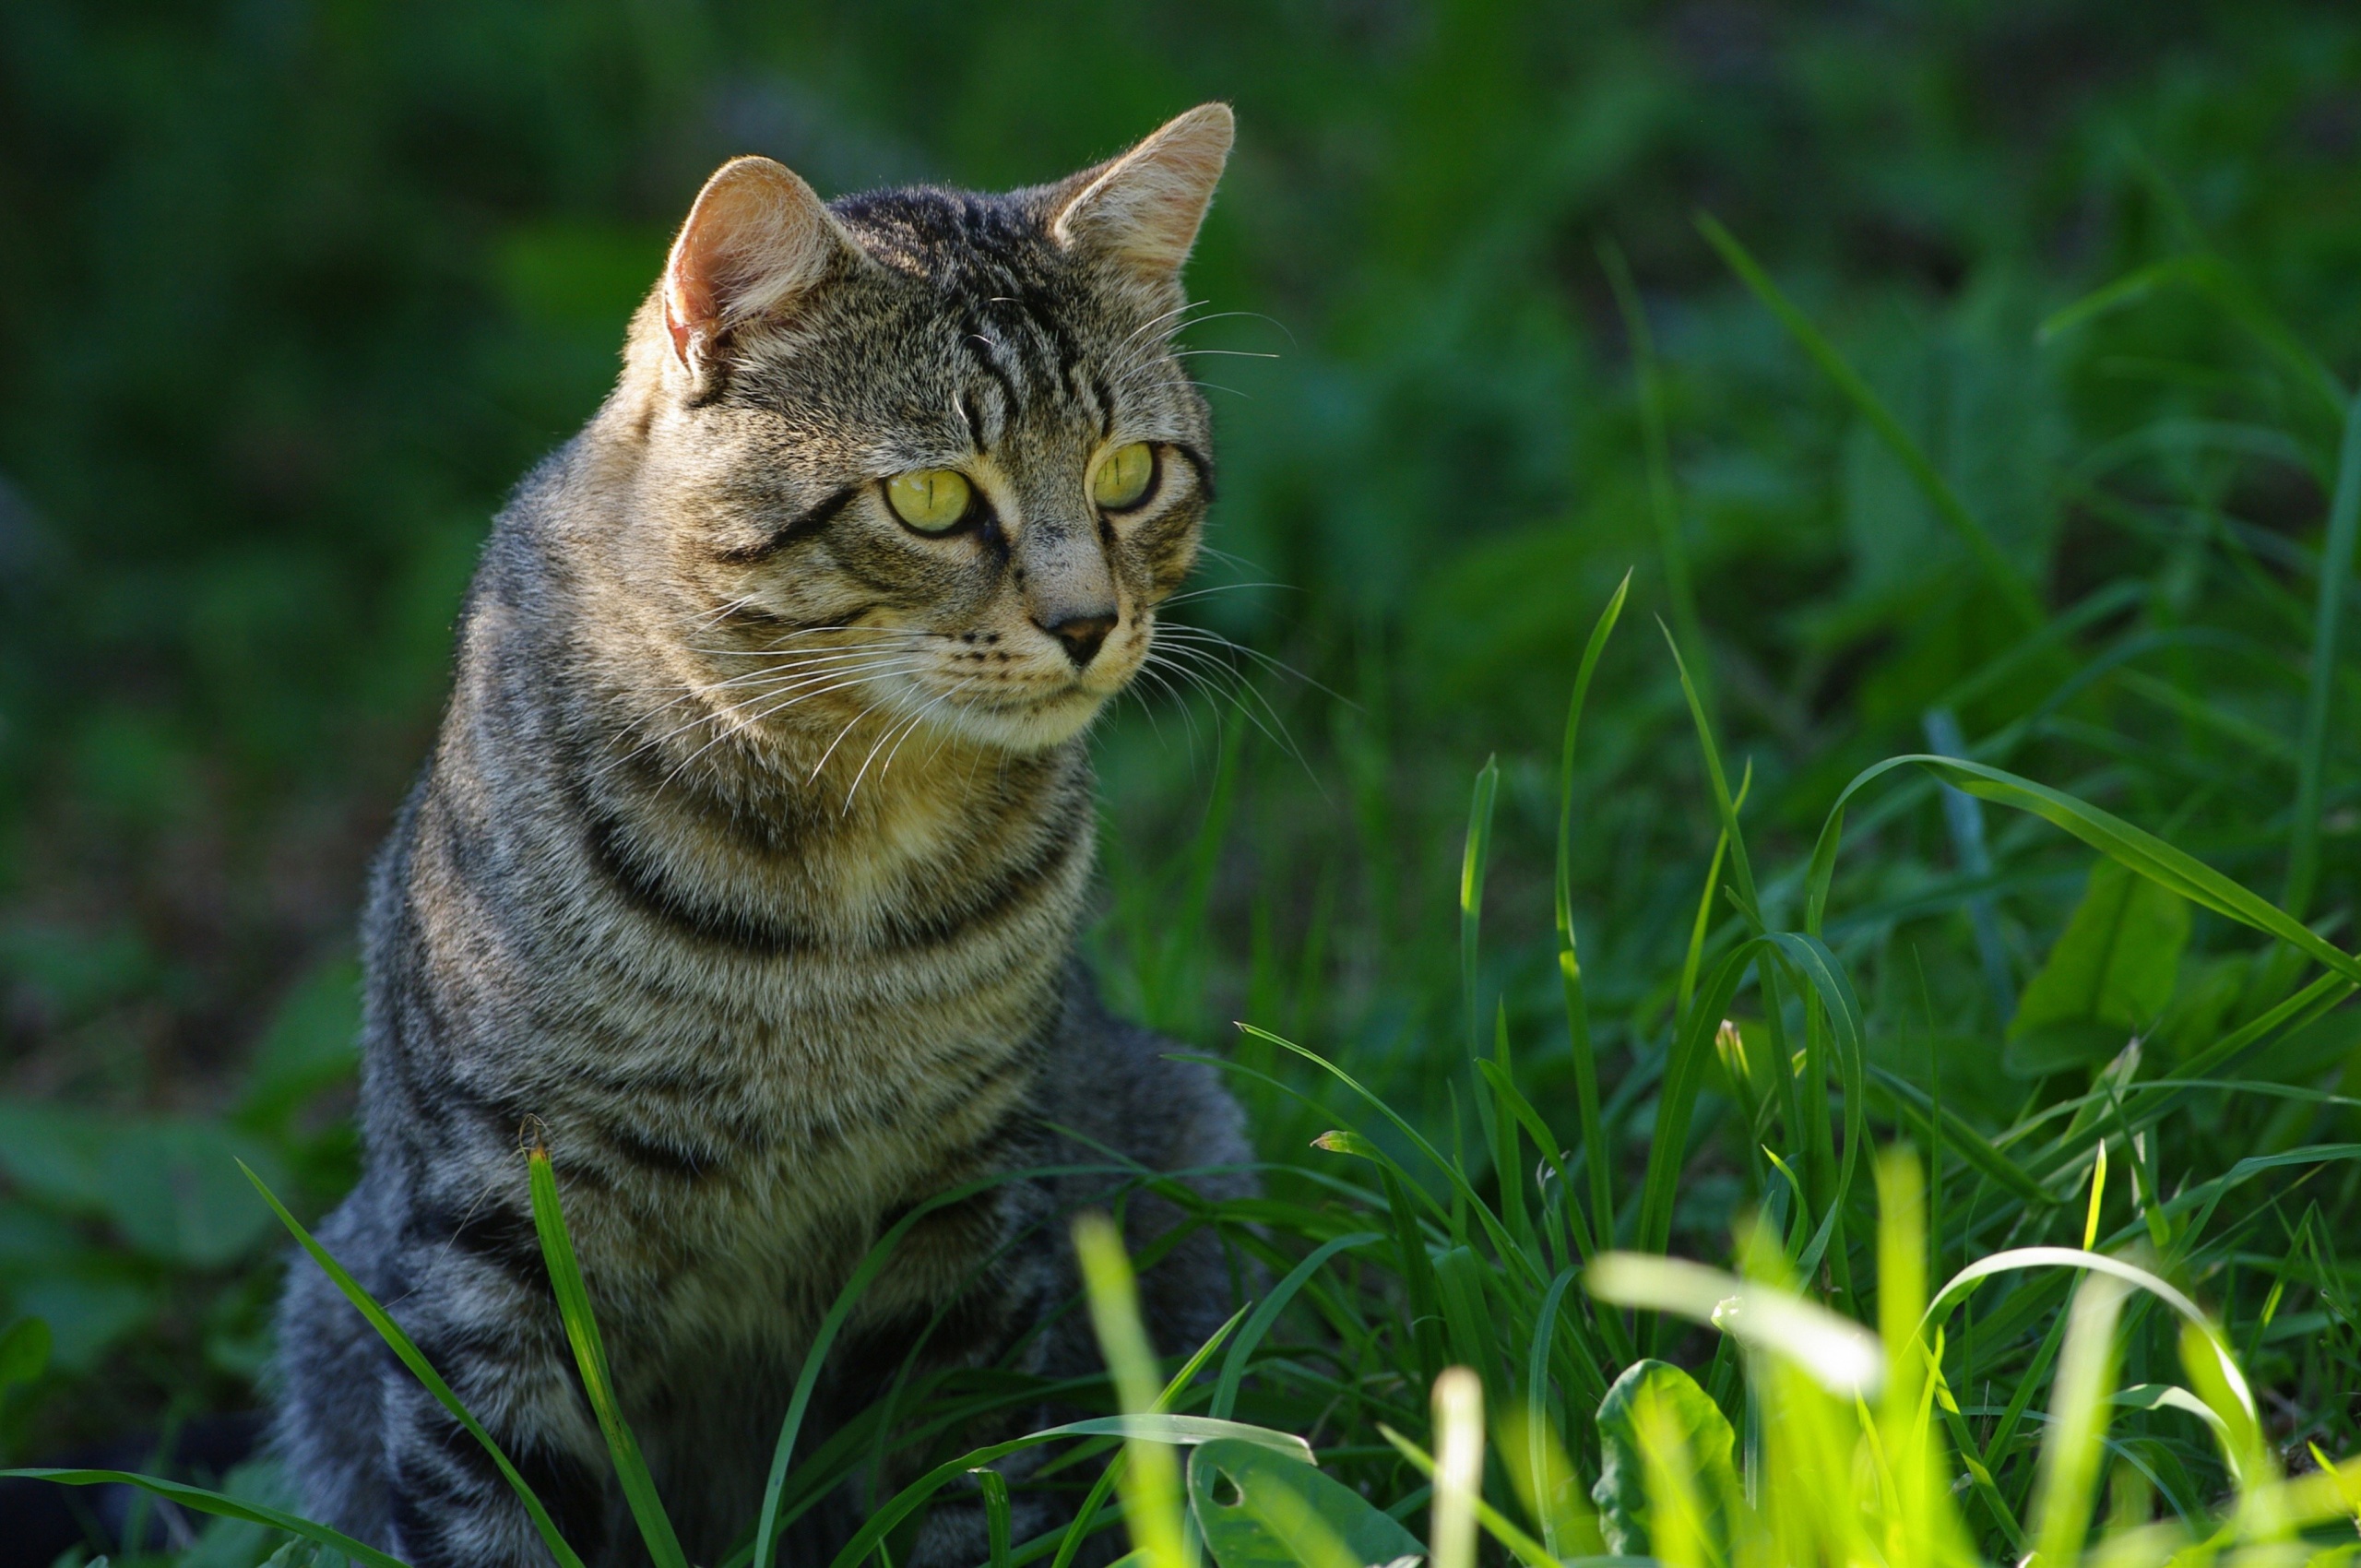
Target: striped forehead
{"type": "Point", "coordinates": [1030, 338]}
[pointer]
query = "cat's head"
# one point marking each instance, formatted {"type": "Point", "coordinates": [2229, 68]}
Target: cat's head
{"type": "Point", "coordinates": [923, 453]}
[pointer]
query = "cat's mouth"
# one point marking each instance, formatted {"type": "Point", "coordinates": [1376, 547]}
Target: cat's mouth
{"type": "Point", "coordinates": [1028, 722]}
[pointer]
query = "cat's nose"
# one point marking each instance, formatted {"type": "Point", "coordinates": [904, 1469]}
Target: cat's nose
{"type": "Point", "coordinates": [1081, 635]}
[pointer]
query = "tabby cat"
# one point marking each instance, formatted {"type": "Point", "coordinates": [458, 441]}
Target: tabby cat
{"type": "Point", "coordinates": [748, 864]}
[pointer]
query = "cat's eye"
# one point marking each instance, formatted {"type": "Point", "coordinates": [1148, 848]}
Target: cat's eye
{"type": "Point", "coordinates": [930, 500]}
{"type": "Point", "coordinates": [1123, 476]}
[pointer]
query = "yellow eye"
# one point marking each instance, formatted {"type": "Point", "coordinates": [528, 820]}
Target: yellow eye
{"type": "Point", "coordinates": [930, 500]}
{"type": "Point", "coordinates": [1123, 476]}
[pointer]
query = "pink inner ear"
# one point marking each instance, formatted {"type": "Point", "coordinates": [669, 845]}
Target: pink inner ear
{"type": "Point", "coordinates": [687, 304]}
{"type": "Point", "coordinates": [756, 235]}
{"type": "Point", "coordinates": [1147, 205]}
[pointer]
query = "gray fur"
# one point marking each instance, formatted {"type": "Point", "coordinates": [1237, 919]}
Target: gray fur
{"type": "Point", "coordinates": [748, 865]}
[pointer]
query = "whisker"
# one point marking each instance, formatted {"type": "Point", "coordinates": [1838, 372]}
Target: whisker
{"type": "Point", "coordinates": [841, 740]}
{"type": "Point", "coordinates": [735, 719]}
{"type": "Point", "coordinates": [1185, 632]}
{"type": "Point", "coordinates": [1276, 730]}
{"type": "Point", "coordinates": [1211, 590]}
{"type": "Point", "coordinates": [912, 729]}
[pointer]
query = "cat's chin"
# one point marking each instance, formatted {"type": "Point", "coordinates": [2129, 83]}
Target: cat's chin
{"type": "Point", "coordinates": [1028, 728]}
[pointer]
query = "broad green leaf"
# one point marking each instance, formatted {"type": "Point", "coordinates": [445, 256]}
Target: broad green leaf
{"type": "Point", "coordinates": [1181, 1430]}
{"type": "Point", "coordinates": [1258, 1508]}
{"type": "Point", "coordinates": [24, 1351]}
{"type": "Point", "coordinates": [168, 1185]}
{"type": "Point", "coordinates": [1658, 1389]}
{"type": "Point", "coordinates": [2109, 976]}
{"type": "Point", "coordinates": [86, 1316]}
{"type": "Point", "coordinates": [313, 1041]}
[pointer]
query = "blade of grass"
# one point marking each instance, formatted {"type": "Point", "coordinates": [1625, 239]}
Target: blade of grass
{"type": "Point", "coordinates": [590, 1356]}
{"type": "Point", "coordinates": [1241, 1349]}
{"type": "Point", "coordinates": [1135, 1429]}
{"type": "Point", "coordinates": [2110, 834]}
{"type": "Point", "coordinates": [1078, 1530]}
{"type": "Point", "coordinates": [1835, 1352]}
{"type": "Point", "coordinates": [419, 1368]}
{"type": "Point", "coordinates": [1750, 905]}
{"type": "Point", "coordinates": [2131, 1273]}
{"type": "Point", "coordinates": [201, 1501]}
{"type": "Point", "coordinates": [2071, 1454]}
{"type": "Point", "coordinates": [1451, 1171]}
{"type": "Point", "coordinates": [1523, 1547]}
{"type": "Point", "coordinates": [1151, 1483]}
{"type": "Point", "coordinates": [774, 1489]}
{"type": "Point", "coordinates": [1700, 928]}
{"type": "Point", "coordinates": [2015, 591]}
{"type": "Point", "coordinates": [2213, 278]}
{"type": "Point", "coordinates": [1664, 507]}
{"type": "Point", "coordinates": [1474, 861]}
{"type": "Point", "coordinates": [2336, 576]}
{"type": "Point", "coordinates": [1508, 1162]}
{"type": "Point", "coordinates": [1458, 1472]}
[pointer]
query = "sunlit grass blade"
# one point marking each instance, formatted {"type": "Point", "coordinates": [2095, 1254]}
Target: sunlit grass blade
{"type": "Point", "coordinates": [1547, 1485]}
{"type": "Point", "coordinates": [1502, 1528]}
{"type": "Point", "coordinates": [1151, 1484]}
{"type": "Point", "coordinates": [1840, 1355]}
{"type": "Point", "coordinates": [2072, 1451]}
{"type": "Point", "coordinates": [410, 1357]}
{"type": "Point", "coordinates": [1459, 1467]}
{"type": "Point", "coordinates": [2018, 1258]}
{"type": "Point", "coordinates": [590, 1356]}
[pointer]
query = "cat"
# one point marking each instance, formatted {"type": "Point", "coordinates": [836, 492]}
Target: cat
{"type": "Point", "coordinates": [747, 868]}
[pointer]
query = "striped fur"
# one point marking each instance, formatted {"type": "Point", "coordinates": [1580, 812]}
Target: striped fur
{"type": "Point", "coordinates": [748, 865]}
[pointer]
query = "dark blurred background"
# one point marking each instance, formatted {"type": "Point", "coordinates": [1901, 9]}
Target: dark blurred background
{"type": "Point", "coordinates": [292, 290]}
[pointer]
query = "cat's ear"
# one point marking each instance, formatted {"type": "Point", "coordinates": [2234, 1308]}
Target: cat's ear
{"type": "Point", "coordinates": [1144, 207]}
{"type": "Point", "coordinates": [757, 237]}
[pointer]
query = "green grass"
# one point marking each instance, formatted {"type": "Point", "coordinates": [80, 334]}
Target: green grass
{"type": "Point", "coordinates": [2147, 1329]}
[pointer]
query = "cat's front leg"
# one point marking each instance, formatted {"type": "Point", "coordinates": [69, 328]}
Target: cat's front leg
{"type": "Point", "coordinates": [450, 1507]}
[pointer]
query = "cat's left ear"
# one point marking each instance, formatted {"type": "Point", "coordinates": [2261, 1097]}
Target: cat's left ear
{"type": "Point", "coordinates": [1145, 208]}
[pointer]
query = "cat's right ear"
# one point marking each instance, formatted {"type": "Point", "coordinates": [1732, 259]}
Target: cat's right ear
{"type": "Point", "coordinates": [757, 238]}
